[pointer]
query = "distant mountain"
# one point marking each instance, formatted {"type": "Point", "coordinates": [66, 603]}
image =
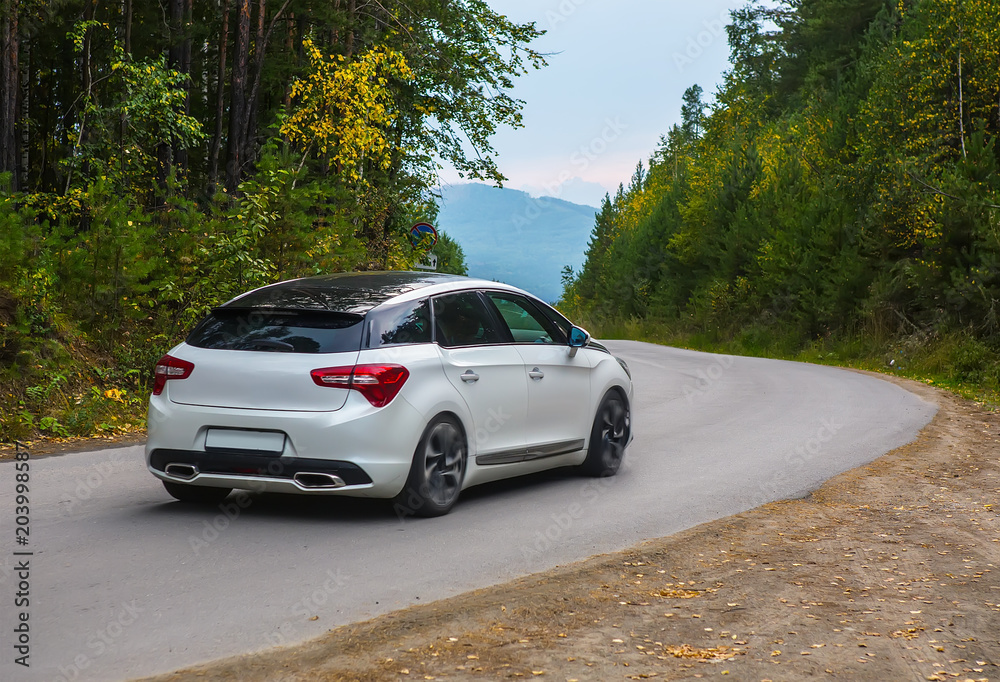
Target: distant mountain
{"type": "Point", "coordinates": [510, 237]}
{"type": "Point", "coordinates": [575, 190]}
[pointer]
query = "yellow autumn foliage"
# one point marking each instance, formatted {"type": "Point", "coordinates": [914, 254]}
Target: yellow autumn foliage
{"type": "Point", "coordinates": [343, 109]}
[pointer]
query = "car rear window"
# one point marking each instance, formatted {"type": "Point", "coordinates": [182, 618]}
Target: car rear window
{"type": "Point", "coordinates": [303, 295]}
{"type": "Point", "coordinates": [278, 330]}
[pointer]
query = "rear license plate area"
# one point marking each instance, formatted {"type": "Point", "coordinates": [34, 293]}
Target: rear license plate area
{"type": "Point", "coordinates": [265, 442]}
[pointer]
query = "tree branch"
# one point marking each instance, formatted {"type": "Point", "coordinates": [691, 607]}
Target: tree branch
{"type": "Point", "coordinates": [935, 190]}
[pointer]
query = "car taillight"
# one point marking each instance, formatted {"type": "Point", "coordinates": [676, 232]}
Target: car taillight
{"type": "Point", "coordinates": [168, 367]}
{"type": "Point", "coordinates": [378, 383]}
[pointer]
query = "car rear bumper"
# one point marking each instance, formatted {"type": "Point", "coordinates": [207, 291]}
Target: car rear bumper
{"type": "Point", "coordinates": [252, 471]}
{"type": "Point", "coordinates": [360, 450]}
{"type": "Point", "coordinates": [263, 484]}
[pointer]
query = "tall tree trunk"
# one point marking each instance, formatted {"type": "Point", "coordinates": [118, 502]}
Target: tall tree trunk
{"type": "Point", "coordinates": [86, 74]}
{"type": "Point", "coordinates": [261, 42]}
{"type": "Point", "coordinates": [87, 77]}
{"type": "Point", "coordinates": [181, 153]}
{"type": "Point", "coordinates": [286, 93]}
{"type": "Point", "coordinates": [335, 30]}
{"type": "Point", "coordinates": [127, 23]}
{"type": "Point", "coordinates": [127, 45]}
{"type": "Point", "coordinates": [352, 9]}
{"type": "Point", "coordinates": [250, 134]}
{"type": "Point", "coordinates": [165, 152]}
{"type": "Point", "coordinates": [961, 98]}
{"type": "Point", "coordinates": [62, 121]}
{"type": "Point", "coordinates": [9, 90]}
{"type": "Point", "coordinates": [220, 102]}
{"type": "Point", "coordinates": [23, 109]}
{"type": "Point", "coordinates": [237, 98]}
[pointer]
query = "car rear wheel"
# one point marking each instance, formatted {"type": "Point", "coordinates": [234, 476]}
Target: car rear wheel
{"type": "Point", "coordinates": [608, 437]}
{"type": "Point", "coordinates": [196, 494]}
{"type": "Point", "coordinates": [437, 472]}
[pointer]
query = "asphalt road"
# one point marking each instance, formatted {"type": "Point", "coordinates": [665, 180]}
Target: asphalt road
{"type": "Point", "coordinates": [124, 582]}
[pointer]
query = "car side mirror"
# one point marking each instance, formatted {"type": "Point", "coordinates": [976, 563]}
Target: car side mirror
{"type": "Point", "coordinates": [578, 338]}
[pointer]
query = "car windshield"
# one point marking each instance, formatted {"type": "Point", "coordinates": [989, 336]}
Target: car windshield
{"type": "Point", "coordinates": [278, 330]}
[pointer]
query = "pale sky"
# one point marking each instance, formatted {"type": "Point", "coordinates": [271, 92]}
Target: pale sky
{"type": "Point", "coordinates": [614, 83]}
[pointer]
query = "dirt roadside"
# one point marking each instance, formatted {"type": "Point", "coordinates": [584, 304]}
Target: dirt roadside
{"type": "Point", "coordinates": [887, 572]}
{"type": "Point", "coordinates": [66, 446]}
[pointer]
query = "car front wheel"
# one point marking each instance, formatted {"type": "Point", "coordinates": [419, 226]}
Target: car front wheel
{"type": "Point", "coordinates": [196, 494]}
{"type": "Point", "coordinates": [608, 437]}
{"type": "Point", "coordinates": [437, 472]}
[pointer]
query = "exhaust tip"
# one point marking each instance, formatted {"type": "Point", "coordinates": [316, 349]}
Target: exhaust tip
{"type": "Point", "coordinates": [313, 480]}
{"type": "Point", "coordinates": [178, 470]}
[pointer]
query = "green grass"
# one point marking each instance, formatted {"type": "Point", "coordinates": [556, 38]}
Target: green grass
{"type": "Point", "coordinates": [954, 361]}
{"type": "Point", "coordinates": [56, 385]}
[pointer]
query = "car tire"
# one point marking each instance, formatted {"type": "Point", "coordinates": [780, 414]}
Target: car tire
{"type": "Point", "coordinates": [608, 437]}
{"type": "Point", "coordinates": [196, 494]}
{"type": "Point", "coordinates": [437, 471]}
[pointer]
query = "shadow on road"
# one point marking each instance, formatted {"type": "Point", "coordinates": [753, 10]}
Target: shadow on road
{"type": "Point", "coordinates": [325, 508]}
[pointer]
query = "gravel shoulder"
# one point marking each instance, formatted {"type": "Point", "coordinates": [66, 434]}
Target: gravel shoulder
{"type": "Point", "coordinates": [889, 571]}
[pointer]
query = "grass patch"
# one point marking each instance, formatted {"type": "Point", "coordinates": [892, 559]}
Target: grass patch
{"type": "Point", "coordinates": [54, 385]}
{"type": "Point", "coordinates": [955, 361]}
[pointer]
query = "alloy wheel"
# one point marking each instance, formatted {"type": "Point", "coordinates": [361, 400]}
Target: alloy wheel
{"type": "Point", "coordinates": [444, 463]}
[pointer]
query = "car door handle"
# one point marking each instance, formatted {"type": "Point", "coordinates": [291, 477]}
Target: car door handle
{"type": "Point", "coordinates": [536, 374]}
{"type": "Point", "coordinates": [469, 376]}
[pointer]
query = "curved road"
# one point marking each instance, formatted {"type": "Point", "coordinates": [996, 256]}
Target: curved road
{"type": "Point", "coordinates": [124, 582]}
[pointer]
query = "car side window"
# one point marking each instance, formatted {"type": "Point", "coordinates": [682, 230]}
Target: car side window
{"type": "Point", "coordinates": [526, 322]}
{"type": "Point", "coordinates": [406, 323]}
{"type": "Point", "coordinates": [558, 320]}
{"type": "Point", "coordinates": [462, 319]}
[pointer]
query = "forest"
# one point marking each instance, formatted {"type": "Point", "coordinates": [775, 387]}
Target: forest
{"type": "Point", "coordinates": [158, 157]}
{"type": "Point", "coordinates": [837, 199]}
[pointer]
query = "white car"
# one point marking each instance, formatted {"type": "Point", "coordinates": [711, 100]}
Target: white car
{"type": "Point", "coordinates": [403, 385]}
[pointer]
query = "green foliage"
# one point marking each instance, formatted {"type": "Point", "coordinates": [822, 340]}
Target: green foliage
{"type": "Point", "coordinates": [118, 134]}
{"type": "Point", "coordinates": [465, 57]}
{"type": "Point", "coordinates": [113, 237]}
{"type": "Point", "coordinates": [693, 112]}
{"type": "Point", "coordinates": [845, 186]}
{"type": "Point", "coordinates": [451, 258]}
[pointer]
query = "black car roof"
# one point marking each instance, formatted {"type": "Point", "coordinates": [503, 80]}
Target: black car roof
{"type": "Point", "coordinates": [347, 292]}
